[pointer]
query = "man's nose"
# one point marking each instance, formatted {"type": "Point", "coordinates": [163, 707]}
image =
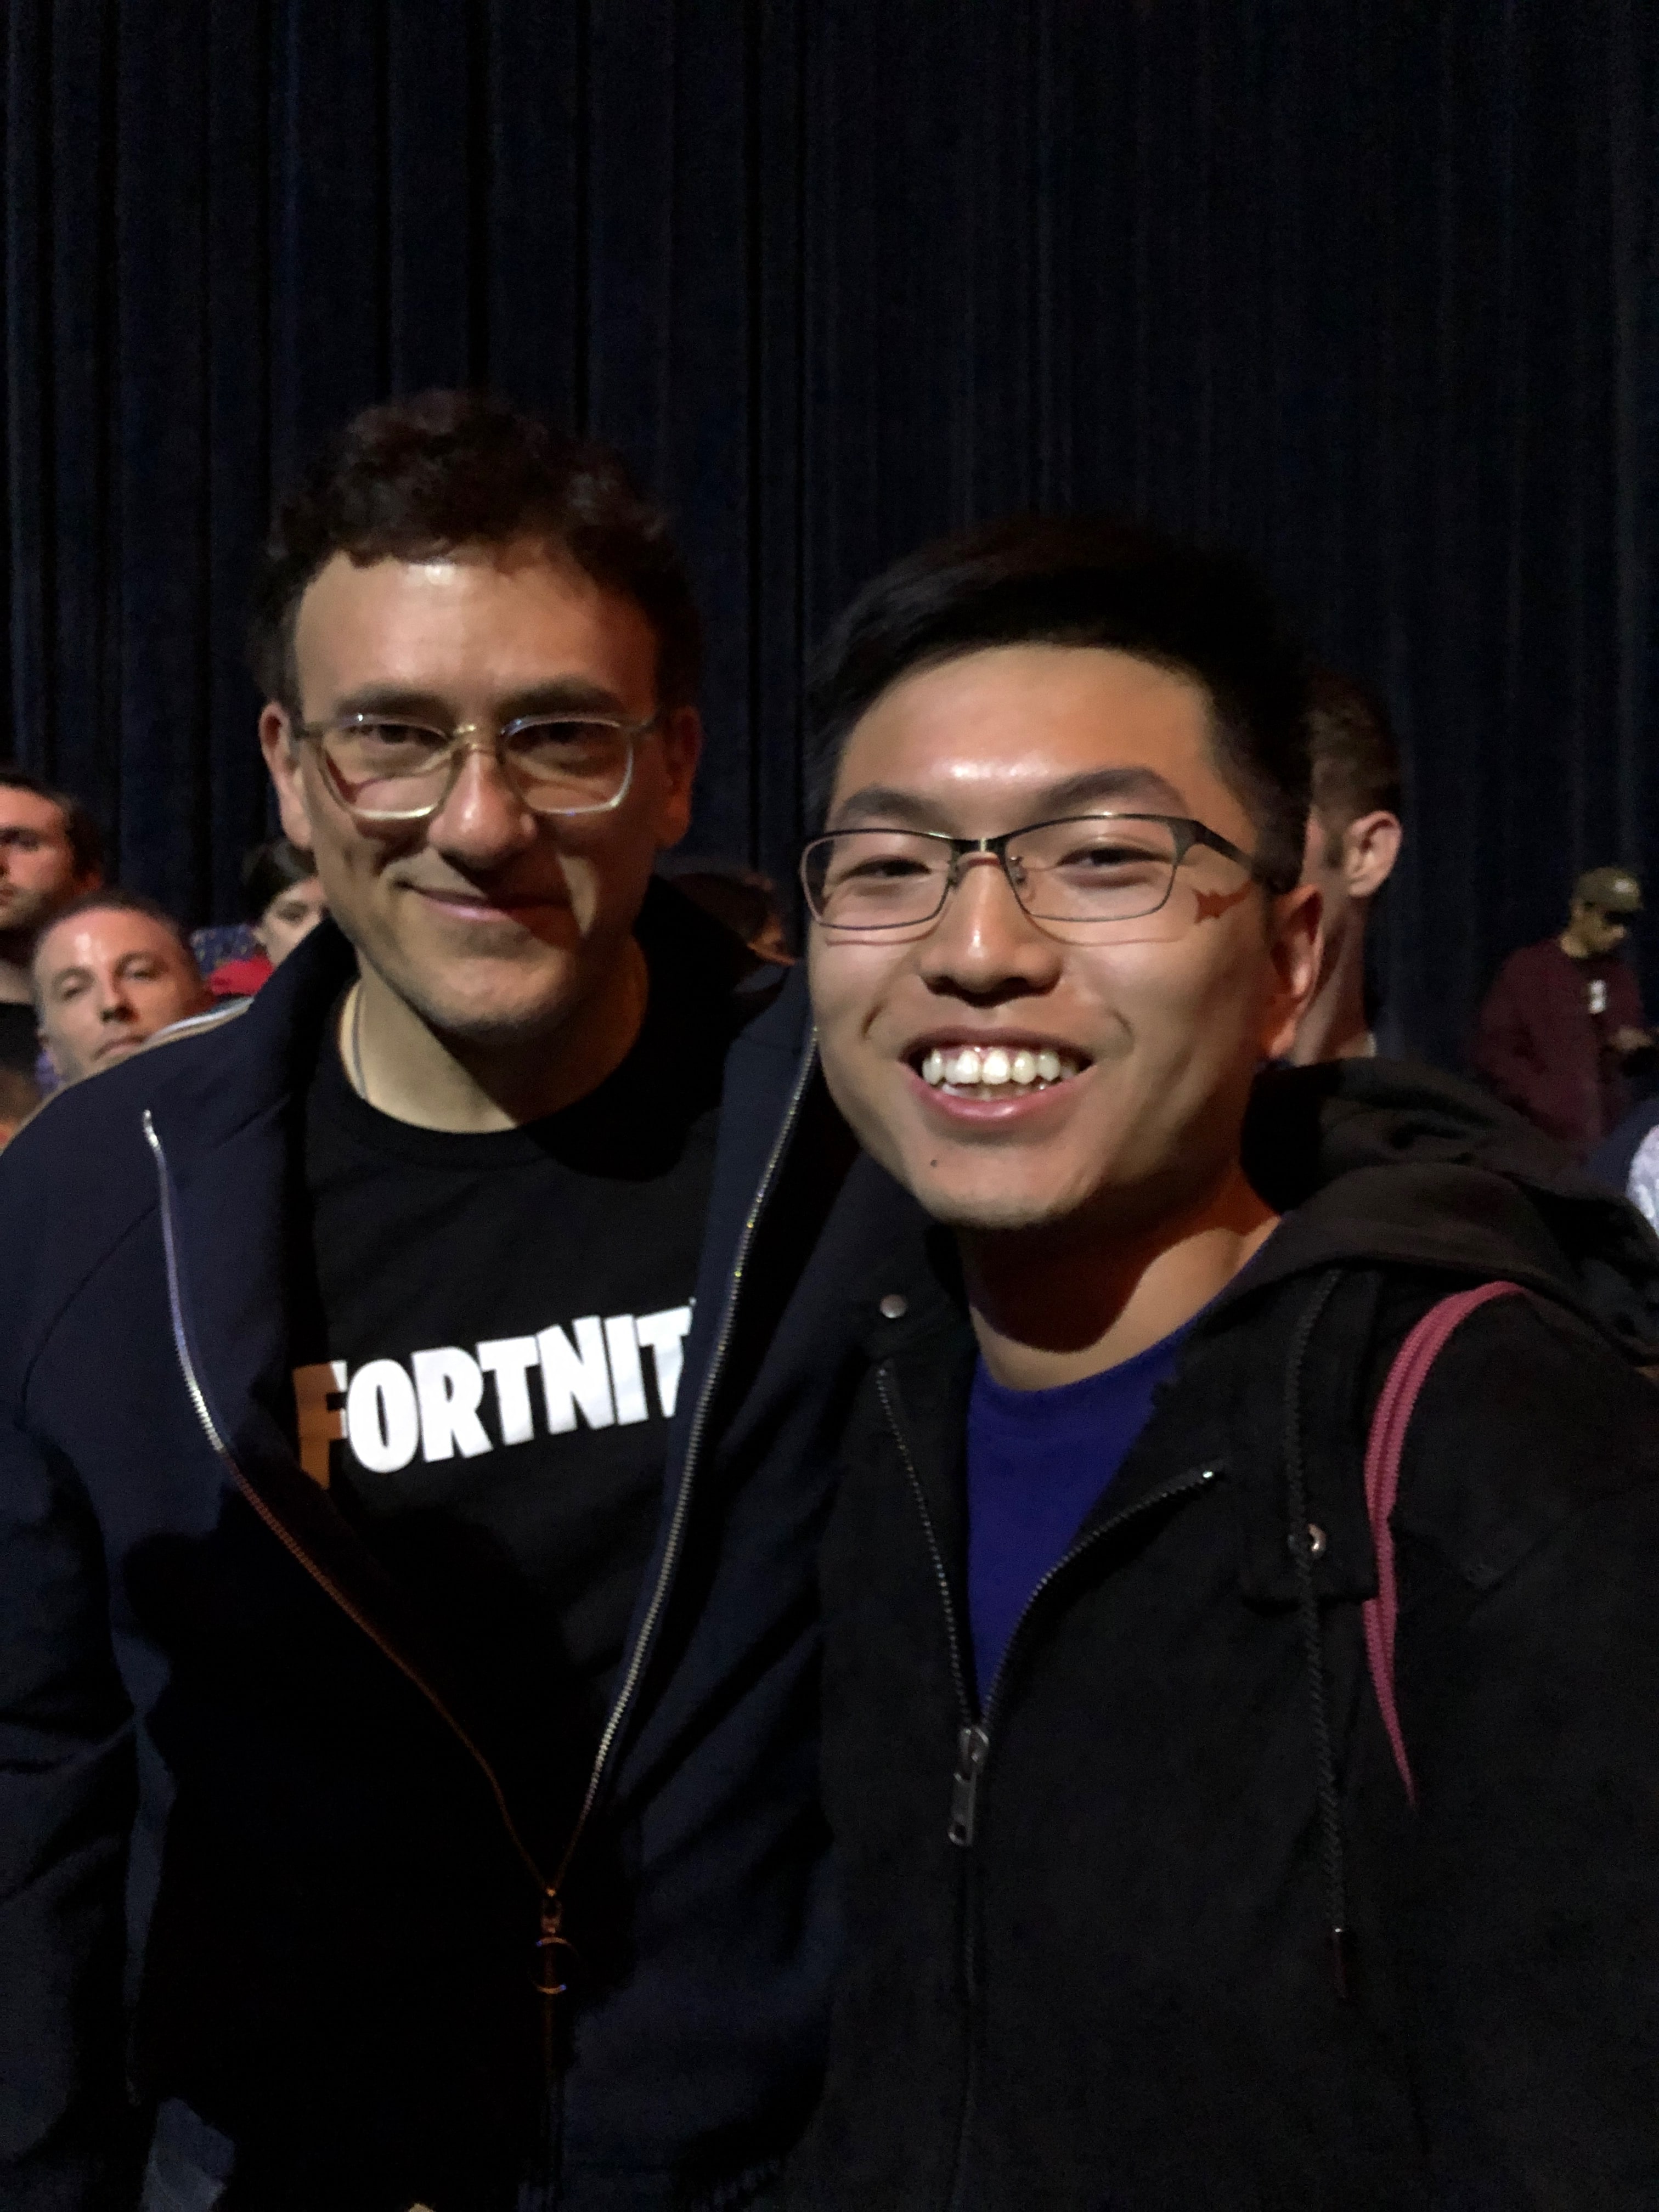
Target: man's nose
{"type": "Point", "coordinates": [114, 1000]}
{"type": "Point", "coordinates": [984, 943]}
{"type": "Point", "coordinates": [484, 821]}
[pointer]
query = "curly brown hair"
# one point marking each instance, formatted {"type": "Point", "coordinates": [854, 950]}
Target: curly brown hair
{"type": "Point", "coordinates": [418, 477]}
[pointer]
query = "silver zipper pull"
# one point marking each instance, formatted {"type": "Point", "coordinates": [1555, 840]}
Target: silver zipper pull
{"type": "Point", "coordinates": [972, 1746]}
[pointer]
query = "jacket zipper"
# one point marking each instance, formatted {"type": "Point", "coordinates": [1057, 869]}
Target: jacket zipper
{"type": "Point", "coordinates": [290, 1543]}
{"type": "Point", "coordinates": [974, 1731]}
{"type": "Point", "coordinates": [551, 1945]}
{"type": "Point", "coordinates": [676, 1537]}
{"type": "Point", "coordinates": [1180, 1486]}
{"type": "Point", "coordinates": [974, 1735]}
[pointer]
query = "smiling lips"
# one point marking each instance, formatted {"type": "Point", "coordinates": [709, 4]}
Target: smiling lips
{"type": "Point", "coordinates": [995, 1071]}
{"type": "Point", "coordinates": [483, 905]}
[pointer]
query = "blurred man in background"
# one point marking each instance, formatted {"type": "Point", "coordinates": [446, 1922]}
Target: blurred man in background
{"type": "Point", "coordinates": [1564, 1019]}
{"type": "Point", "coordinates": [1353, 842]}
{"type": "Point", "coordinates": [282, 902]}
{"type": "Point", "coordinates": [742, 897]}
{"type": "Point", "coordinates": [109, 972]}
{"type": "Point", "coordinates": [50, 853]}
{"type": "Point", "coordinates": [18, 1100]}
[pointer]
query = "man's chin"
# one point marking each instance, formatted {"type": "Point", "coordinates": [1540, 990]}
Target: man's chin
{"type": "Point", "coordinates": [973, 1209]}
{"type": "Point", "coordinates": [495, 1020]}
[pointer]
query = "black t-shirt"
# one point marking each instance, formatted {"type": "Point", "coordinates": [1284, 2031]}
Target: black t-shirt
{"type": "Point", "coordinates": [20, 1043]}
{"type": "Point", "coordinates": [489, 1340]}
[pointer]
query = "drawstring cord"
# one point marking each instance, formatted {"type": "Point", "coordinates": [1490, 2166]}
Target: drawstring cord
{"type": "Point", "coordinates": [1313, 1656]}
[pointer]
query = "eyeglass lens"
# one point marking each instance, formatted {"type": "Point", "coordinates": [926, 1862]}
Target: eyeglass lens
{"type": "Point", "coordinates": [1100, 869]}
{"type": "Point", "coordinates": [390, 768]}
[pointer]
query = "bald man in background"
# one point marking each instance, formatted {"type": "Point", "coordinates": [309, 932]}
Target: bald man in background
{"type": "Point", "coordinates": [109, 973]}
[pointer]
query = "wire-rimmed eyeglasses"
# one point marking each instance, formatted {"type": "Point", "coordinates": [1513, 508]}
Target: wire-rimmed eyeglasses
{"type": "Point", "coordinates": [1101, 869]}
{"type": "Point", "coordinates": [385, 767]}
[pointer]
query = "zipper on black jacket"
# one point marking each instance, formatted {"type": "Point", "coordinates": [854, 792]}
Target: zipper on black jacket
{"type": "Point", "coordinates": [974, 1731]}
{"type": "Point", "coordinates": [550, 1946]}
{"type": "Point", "coordinates": [671, 1548]}
{"type": "Point", "coordinates": [181, 1345]}
{"type": "Point", "coordinates": [1182, 1487]}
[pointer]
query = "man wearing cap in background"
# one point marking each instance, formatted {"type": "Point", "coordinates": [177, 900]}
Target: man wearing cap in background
{"type": "Point", "coordinates": [1564, 1018]}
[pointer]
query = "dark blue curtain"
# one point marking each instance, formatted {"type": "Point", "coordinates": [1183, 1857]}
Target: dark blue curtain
{"type": "Point", "coordinates": [1368, 288]}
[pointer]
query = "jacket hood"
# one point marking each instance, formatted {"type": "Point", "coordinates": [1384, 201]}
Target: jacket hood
{"type": "Point", "coordinates": [1385, 1162]}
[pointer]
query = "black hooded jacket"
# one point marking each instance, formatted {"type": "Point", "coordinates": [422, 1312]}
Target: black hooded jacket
{"type": "Point", "coordinates": [1089, 1961]}
{"type": "Point", "coordinates": [264, 1877]}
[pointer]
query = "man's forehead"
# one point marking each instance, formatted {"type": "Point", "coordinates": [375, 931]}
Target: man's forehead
{"type": "Point", "coordinates": [29, 810]}
{"type": "Point", "coordinates": [1088, 725]}
{"type": "Point", "coordinates": [1101, 704]}
{"type": "Point", "coordinates": [525, 606]}
{"type": "Point", "coordinates": [107, 935]}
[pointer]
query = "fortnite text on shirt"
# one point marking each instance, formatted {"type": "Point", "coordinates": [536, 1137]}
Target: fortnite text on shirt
{"type": "Point", "coordinates": [586, 1373]}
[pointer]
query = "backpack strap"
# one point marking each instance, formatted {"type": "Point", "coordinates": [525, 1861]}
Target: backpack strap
{"type": "Point", "coordinates": [1384, 1449]}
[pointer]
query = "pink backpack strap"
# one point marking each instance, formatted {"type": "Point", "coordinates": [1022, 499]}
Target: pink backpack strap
{"type": "Point", "coordinates": [1384, 1449]}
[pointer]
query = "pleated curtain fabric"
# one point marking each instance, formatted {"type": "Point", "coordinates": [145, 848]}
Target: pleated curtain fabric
{"type": "Point", "coordinates": [1366, 289]}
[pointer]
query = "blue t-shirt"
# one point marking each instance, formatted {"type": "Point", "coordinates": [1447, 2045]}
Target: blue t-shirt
{"type": "Point", "coordinates": [1037, 1461]}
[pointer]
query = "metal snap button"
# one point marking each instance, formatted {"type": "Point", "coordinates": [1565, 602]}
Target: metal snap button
{"type": "Point", "coordinates": [894, 1306]}
{"type": "Point", "coordinates": [1317, 1541]}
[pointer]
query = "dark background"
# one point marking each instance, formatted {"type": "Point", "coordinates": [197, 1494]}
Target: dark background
{"type": "Point", "coordinates": [1365, 286]}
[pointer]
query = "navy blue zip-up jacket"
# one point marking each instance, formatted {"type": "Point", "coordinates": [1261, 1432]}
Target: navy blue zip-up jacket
{"type": "Point", "coordinates": [266, 1899]}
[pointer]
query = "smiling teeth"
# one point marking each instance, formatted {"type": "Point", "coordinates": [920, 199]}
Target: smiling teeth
{"type": "Point", "coordinates": [967, 1069]}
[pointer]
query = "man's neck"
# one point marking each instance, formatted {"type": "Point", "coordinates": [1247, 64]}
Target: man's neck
{"type": "Point", "coordinates": [15, 953]}
{"type": "Point", "coordinates": [1334, 1026]}
{"type": "Point", "coordinates": [1054, 1306]}
{"type": "Point", "coordinates": [400, 1065]}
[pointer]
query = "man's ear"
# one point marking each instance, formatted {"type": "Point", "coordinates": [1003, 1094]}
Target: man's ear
{"type": "Point", "coordinates": [281, 752]}
{"type": "Point", "coordinates": [1371, 845]}
{"type": "Point", "coordinates": [682, 748]}
{"type": "Point", "coordinates": [1296, 948]}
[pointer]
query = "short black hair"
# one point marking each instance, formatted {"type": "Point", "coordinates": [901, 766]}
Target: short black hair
{"type": "Point", "coordinates": [112, 899]}
{"type": "Point", "coordinates": [270, 870]}
{"type": "Point", "coordinates": [86, 839]}
{"type": "Point", "coordinates": [1355, 760]}
{"type": "Point", "coordinates": [1086, 580]}
{"type": "Point", "coordinates": [417, 478]}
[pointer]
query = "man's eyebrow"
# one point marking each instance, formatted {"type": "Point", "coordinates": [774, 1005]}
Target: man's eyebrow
{"type": "Point", "coordinates": [885, 803]}
{"type": "Point", "coordinates": [561, 695]}
{"type": "Point", "coordinates": [1096, 785]}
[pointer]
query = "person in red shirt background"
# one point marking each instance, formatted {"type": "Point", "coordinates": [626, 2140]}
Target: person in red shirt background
{"type": "Point", "coordinates": [283, 901]}
{"type": "Point", "coordinates": [1564, 1018]}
